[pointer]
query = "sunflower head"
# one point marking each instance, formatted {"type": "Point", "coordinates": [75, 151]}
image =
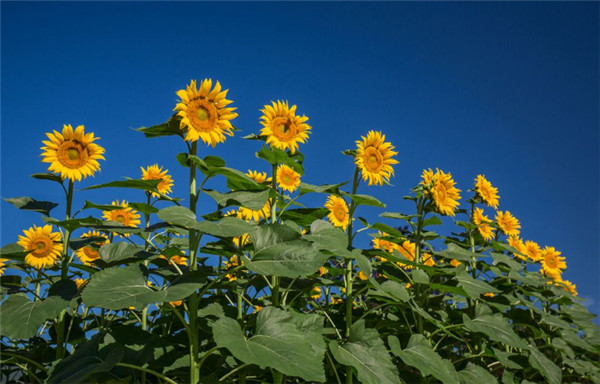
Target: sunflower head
{"type": "Point", "coordinates": [508, 223]}
{"type": "Point", "coordinates": [553, 264]}
{"type": "Point", "coordinates": [88, 253]}
{"type": "Point", "coordinates": [204, 113]}
{"type": "Point", "coordinates": [259, 177]}
{"type": "Point", "coordinates": [177, 259]}
{"type": "Point", "coordinates": [2, 265]}
{"type": "Point", "coordinates": [43, 245]}
{"type": "Point", "coordinates": [72, 153]}
{"type": "Point", "coordinates": [488, 194]}
{"type": "Point", "coordinates": [283, 129]}
{"type": "Point", "coordinates": [249, 214]}
{"type": "Point", "coordinates": [386, 245]}
{"type": "Point", "coordinates": [374, 158]}
{"type": "Point", "coordinates": [442, 191]}
{"type": "Point", "coordinates": [517, 243]}
{"type": "Point", "coordinates": [481, 221]}
{"type": "Point", "coordinates": [406, 249]}
{"type": "Point", "coordinates": [338, 211]}
{"type": "Point", "coordinates": [125, 215]}
{"type": "Point", "coordinates": [566, 285]}
{"type": "Point", "coordinates": [287, 178]}
{"type": "Point", "coordinates": [154, 172]}
{"type": "Point", "coordinates": [533, 250]}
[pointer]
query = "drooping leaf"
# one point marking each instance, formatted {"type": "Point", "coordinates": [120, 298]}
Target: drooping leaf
{"type": "Point", "coordinates": [81, 242]}
{"type": "Point", "coordinates": [327, 237]}
{"type": "Point", "coordinates": [366, 352]}
{"type": "Point", "coordinates": [22, 317]}
{"type": "Point", "coordinates": [456, 252]}
{"type": "Point", "coordinates": [304, 217]}
{"type": "Point", "coordinates": [473, 287]}
{"type": "Point", "coordinates": [29, 204]}
{"type": "Point", "coordinates": [325, 188]}
{"type": "Point", "coordinates": [496, 328]}
{"type": "Point", "coordinates": [13, 251]}
{"type": "Point", "coordinates": [364, 200]}
{"type": "Point", "coordinates": [73, 224]}
{"type": "Point", "coordinates": [545, 366]}
{"type": "Point", "coordinates": [170, 128]}
{"type": "Point", "coordinates": [146, 185]}
{"type": "Point", "coordinates": [474, 374]}
{"type": "Point", "coordinates": [48, 176]}
{"type": "Point", "coordinates": [119, 251]}
{"type": "Point", "coordinates": [419, 354]}
{"type": "Point", "coordinates": [248, 199]}
{"type": "Point", "coordinates": [178, 216]}
{"type": "Point", "coordinates": [282, 342]}
{"type": "Point", "coordinates": [226, 227]}
{"type": "Point", "coordinates": [391, 290]}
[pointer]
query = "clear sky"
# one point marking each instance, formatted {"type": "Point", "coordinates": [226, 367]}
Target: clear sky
{"type": "Point", "coordinates": [507, 89]}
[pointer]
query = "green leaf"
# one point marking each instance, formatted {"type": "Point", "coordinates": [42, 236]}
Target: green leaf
{"type": "Point", "coordinates": [280, 251]}
{"type": "Point", "coordinates": [391, 290]}
{"type": "Point", "coordinates": [177, 215]}
{"type": "Point", "coordinates": [226, 227]}
{"type": "Point", "coordinates": [456, 252]}
{"type": "Point", "coordinates": [325, 188]}
{"type": "Point", "coordinates": [48, 176]}
{"type": "Point", "coordinates": [545, 366]}
{"type": "Point", "coordinates": [366, 352]}
{"type": "Point", "coordinates": [507, 260]}
{"type": "Point", "coordinates": [473, 287]}
{"type": "Point", "coordinates": [420, 276]}
{"type": "Point", "coordinates": [13, 251]}
{"type": "Point", "coordinates": [282, 342]}
{"type": "Point", "coordinates": [419, 354]}
{"type": "Point", "coordinates": [504, 359]}
{"type": "Point", "coordinates": [364, 200]}
{"type": "Point", "coordinates": [247, 199]}
{"type": "Point", "coordinates": [73, 224]}
{"type": "Point", "coordinates": [119, 251]}
{"type": "Point", "coordinates": [433, 220]}
{"type": "Point", "coordinates": [304, 216]}
{"type": "Point", "coordinates": [144, 208]}
{"type": "Point", "coordinates": [397, 215]}
{"type": "Point", "coordinates": [29, 204]}
{"type": "Point", "coordinates": [276, 156]}
{"type": "Point", "coordinates": [327, 237]}
{"type": "Point", "coordinates": [474, 374]}
{"type": "Point", "coordinates": [496, 328]}
{"type": "Point", "coordinates": [21, 317]}
{"type": "Point", "coordinates": [170, 128]}
{"type": "Point", "coordinates": [146, 185]}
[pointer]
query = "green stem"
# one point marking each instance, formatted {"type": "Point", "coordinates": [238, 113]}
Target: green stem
{"type": "Point", "coordinates": [208, 353]}
{"type": "Point", "coordinates": [27, 359]}
{"type": "Point", "coordinates": [193, 299]}
{"type": "Point", "coordinates": [154, 373]}
{"type": "Point", "coordinates": [274, 279]}
{"type": "Point", "coordinates": [418, 293]}
{"type": "Point", "coordinates": [60, 326]}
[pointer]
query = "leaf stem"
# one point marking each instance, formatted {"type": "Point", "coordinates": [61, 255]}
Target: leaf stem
{"type": "Point", "coordinates": [154, 373]}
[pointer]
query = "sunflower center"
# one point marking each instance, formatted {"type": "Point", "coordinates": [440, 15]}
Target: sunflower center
{"type": "Point", "coordinates": [283, 128]}
{"type": "Point", "coordinates": [91, 252]}
{"type": "Point", "coordinates": [287, 179]}
{"type": "Point", "coordinates": [41, 247]}
{"type": "Point", "coordinates": [340, 213]}
{"type": "Point", "coordinates": [551, 262]}
{"type": "Point", "coordinates": [121, 218]}
{"type": "Point", "coordinates": [203, 115]}
{"type": "Point", "coordinates": [73, 154]}
{"type": "Point", "coordinates": [373, 159]}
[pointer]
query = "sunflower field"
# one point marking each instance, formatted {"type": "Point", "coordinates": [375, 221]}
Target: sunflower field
{"type": "Point", "coordinates": [260, 287]}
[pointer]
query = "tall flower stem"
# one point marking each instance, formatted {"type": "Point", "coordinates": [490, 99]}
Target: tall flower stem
{"type": "Point", "coordinates": [349, 268]}
{"type": "Point", "coordinates": [60, 325]}
{"type": "Point", "coordinates": [274, 279]}
{"type": "Point", "coordinates": [193, 302]}
{"type": "Point", "coordinates": [418, 293]}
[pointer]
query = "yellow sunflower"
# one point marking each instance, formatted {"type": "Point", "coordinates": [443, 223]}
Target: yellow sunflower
{"type": "Point", "coordinates": [508, 223]}
{"type": "Point", "coordinates": [566, 285]}
{"type": "Point", "coordinates": [428, 260]}
{"type": "Point", "coordinates": [386, 245]}
{"type": "Point", "coordinates": [287, 178]}
{"type": "Point", "coordinates": [240, 241]}
{"type": "Point", "coordinates": [338, 211]}
{"type": "Point", "coordinates": [80, 283]}
{"type": "Point", "coordinates": [552, 263]}
{"type": "Point", "coordinates": [88, 253]}
{"type": "Point", "coordinates": [481, 221]}
{"type": "Point", "coordinates": [488, 194]}
{"type": "Point", "coordinates": [443, 191]}
{"type": "Point", "coordinates": [407, 249]}
{"type": "Point", "coordinates": [45, 246]}
{"type": "Point", "coordinates": [126, 215]}
{"type": "Point", "coordinates": [283, 129]}
{"type": "Point", "coordinates": [259, 177]}
{"type": "Point", "coordinates": [177, 259]}
{"type": "Point", "coordinates": [517, 243]}
{"type": "Point", "coordinates": [455, 263]}
{"type": "Point", "coordinates": [315, 293]}
{"type": "Point", "coordinates": [73, 154]}
{"type": "Point", "coordinates": [231, 263]}
{"type": "Point", "coordinates": [533, 250]}
{"type": "Point", "coordinates": [2, 265]}
{"type": "Point", "coordinates": [249, 214]}
{"type": "Point", "coordinates": [204, 114]}
{"type": "Point", "coordinates": [154, 172]}
{"type": "Point", "coordinates": [374, 158]}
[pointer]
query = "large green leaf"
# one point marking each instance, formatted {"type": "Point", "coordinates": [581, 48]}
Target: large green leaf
{"type": "Point", "coordinates": [545, 366]}
{"type": "Point", "coordinates": [73, 224]}
{"type": "Point", "coordinates": [473, 287]}
{"type": "Point", "coordinates": [391, 290]}
{"type": "Point", "coordinates": [496, 328]}
{"type": "Point", "coordinates": [170, 128]}
{"type": "Point", "coordinates": [364, 200]}
{"type": "Point", "coordinates": [13, 251]}
{"type": "Point", "coordinates": [29, 204]}
{"type": "Point", "coordinates": [419, 354]}
{"type": "Point", "coordinates": [22, 317]}
{"type": "Point", "coordinates": [366, 352]}
{"type": "Point", "coordinates": [48, 176]}
{"type": "Point", "coordinates": [119, 251]}
{"type": "Point", "coordinates": [146, 185]}
{"type": "Point", "coordinates": [177, 215]}
{"type": "Point", "coordinates": [325, 188]}
{"type": "Point", "coordinates": [226, 227]}
{"type": "Point", "coordinates": [280, 251]}
{"type": "Point", "coordinates": [474, 374]}
{"type": "Point", "coordinates": [456, 252]}
{"type": "Point", "coordinates": [327, 237]}
{"type": "Point", "coordinates": [304, 217]}
{"type": "Point", "coordinates": [276, 156]}
{"type": "Point", "coordinates": [291, 345]}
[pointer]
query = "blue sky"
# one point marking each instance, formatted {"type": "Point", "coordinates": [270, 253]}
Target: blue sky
{"type": "Point", "coordinates": [510, 90]}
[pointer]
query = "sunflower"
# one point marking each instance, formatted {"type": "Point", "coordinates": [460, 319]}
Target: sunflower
{"type": "Point", "coordinates": [287, 178]}
{"type": "Point", "coordinates": [428, 260]}
{"type": "Point", "coordinates": [338, 211]}
{"type": "Point", "coordinates": [315, 293]}
{"type": "Point", "coordinates": [567, 286]}
{"type": "Point", "coordinates": [73, 154]}
{"type": "Point", "coordinates": [443, 191]}
{"type": "Point", "coordinates": [126, 215]}
{"type": "Point", "coordinates": [177, 259]}
{"type": "Point", "coordinates": [45, 246]}
{"type": "Point", "coordinates": [240, 241]}
{"type": "Point", "coordinates": [231, 263]}
{"type": "Point", "coordinates": [517, 243]}
{"type": "Point", "coordinates": [488, 194]}
{"type": "Point", "coordinates": [249, 214]}
{"type": "Point", "coordinates": [281, 126]}
{"type": "Point", "coordinates": [481, 221]}
{"type": "Point", "coordinates": [2, 265]}
{"type": "Point", "coordinates": [508, 223]}
{"type": "Point", "coordinates": [154, 172]}
{"type": "Point", "coordinates": [203, 112]}
{"type": "Point", "coordinates": [88, 253]}
{"type": "Point", "coordinates": [259, 177]}
{"type": "Point", "coordinates": [552, 263]}
{"type": "Point", "coordinates": [80, 283]}
{"type": "Point", "coordinates": [374, 158]}
{"type": "Point", "coordinates": [533, 250]}
{"type": "Point", "coordinates": [455, 263]}
{"type": "Point", "coordinates": [407, 249]}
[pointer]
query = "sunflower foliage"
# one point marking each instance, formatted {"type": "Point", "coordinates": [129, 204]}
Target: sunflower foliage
{"type": "Point", "coordinates": [259, 287]}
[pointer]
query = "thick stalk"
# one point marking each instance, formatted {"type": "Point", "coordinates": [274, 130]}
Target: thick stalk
{"type": "Point", "coordinates": [274, 279]}
{"type": "Point", "coordinates": [420, 205]}
{"type": "Point", "coordinates": [349, 268]}
{"type": "Point", "coordinates": [60, 326]}
{"type": "Point", "coordinates": [193, 308]}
